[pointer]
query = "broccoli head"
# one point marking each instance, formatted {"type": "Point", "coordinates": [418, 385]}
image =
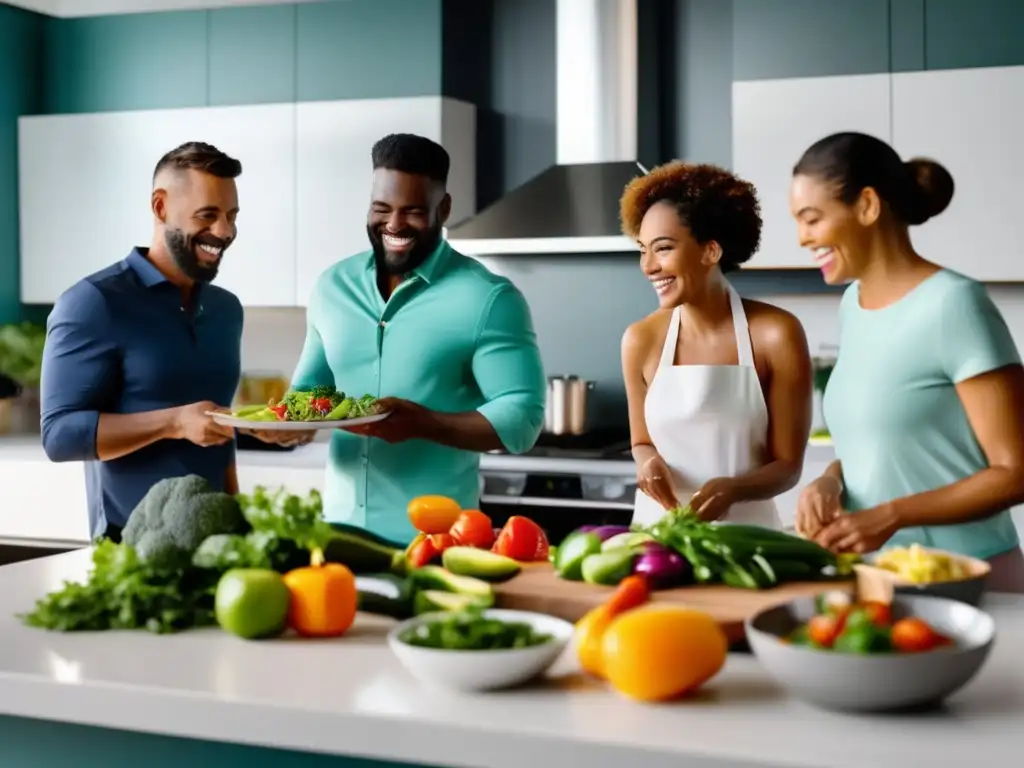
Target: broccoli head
{"type": "Point", "coordinates": [176, 515]}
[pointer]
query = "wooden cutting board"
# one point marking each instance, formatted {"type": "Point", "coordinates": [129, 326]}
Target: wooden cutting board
{"type": "Point", "coordinates": [537, 588]}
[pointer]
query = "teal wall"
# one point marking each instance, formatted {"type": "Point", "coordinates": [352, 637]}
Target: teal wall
{"type": "Point", "coordinates": [26, 743]}
{"type": "Point", "coordinates": [21, 91]}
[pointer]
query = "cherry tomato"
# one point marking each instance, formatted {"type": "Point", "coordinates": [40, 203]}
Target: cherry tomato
{"type": "Point", "coordinates": [433, 514]}
{"type": "Point", "coordinates": [823, 629]}
{"type": "Point", "coordinates": [914, 635]}
{"type": "Point", "coordinates": [474, 529]}
{"type": "Point", "coordinates": [522, 539]}
{"type": "Point", "coordinates": [879, 613]}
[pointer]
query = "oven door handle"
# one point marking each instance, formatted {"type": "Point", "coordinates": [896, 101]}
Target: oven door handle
{"type": "Point", "coordinates": [542, 501]}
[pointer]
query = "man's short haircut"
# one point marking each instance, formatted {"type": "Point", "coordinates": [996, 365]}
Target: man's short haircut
{"type": "Point", "coordinates": [195, 155]}
{"type": "Point", "coordinates": [409, 153]}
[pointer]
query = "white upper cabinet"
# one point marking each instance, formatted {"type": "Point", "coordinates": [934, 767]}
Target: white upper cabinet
{"type": "Point", "coordinates": [335, 171]}
{"type": "Point", "coordinates": [774, 121]}
{"type": "Point", "coordinates": [971, 121]}
{"type": "Point", "coordinates": [85, 185]}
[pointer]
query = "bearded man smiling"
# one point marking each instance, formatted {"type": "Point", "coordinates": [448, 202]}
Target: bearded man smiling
{"type": "Point", "coordinates": [138, 353]}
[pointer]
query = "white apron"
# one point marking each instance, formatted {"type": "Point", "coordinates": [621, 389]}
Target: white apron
{"type": "Point", "coordinates": [708, 421]}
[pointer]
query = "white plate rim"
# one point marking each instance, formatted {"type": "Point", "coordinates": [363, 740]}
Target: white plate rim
{"type": "Point", "coordinates": [227, 420]}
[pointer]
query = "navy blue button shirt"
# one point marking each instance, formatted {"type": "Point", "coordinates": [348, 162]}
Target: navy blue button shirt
{"type": "Point", "coordinates": [120, 341]}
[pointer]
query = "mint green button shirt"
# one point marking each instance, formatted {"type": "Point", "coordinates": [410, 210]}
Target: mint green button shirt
{"type": "Point", "coordinates": [891, 405]}
{"type": "Point", "coordinates": [453, 337]}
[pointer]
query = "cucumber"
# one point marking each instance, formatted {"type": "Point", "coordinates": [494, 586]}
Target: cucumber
{"type": "Point", "coordinates": [434, 577]}
{"type": "Point", "coordinates": [340, 411]}
{"type": "Point", "coordinates": [432, 600]}
{"type": "Point", "coordinates": [362, 554]}
{"type": "Point", "coordinates": [745, 541]}
{"type": "Point", "coordinates": [793, 570]}
{"type": "Point", "coordinates": [249, 410]}
{"type": "Point", "coordinates": [479, 564]}
{"type": "Point", "coordinates": [385, 594]}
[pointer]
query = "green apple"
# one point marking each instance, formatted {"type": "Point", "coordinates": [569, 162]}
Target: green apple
{"type": "Point", "coordinates": [252, 603]}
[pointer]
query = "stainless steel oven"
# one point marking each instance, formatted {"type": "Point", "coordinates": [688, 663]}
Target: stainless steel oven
{"type": "Point", "coordinates": [560, 486]}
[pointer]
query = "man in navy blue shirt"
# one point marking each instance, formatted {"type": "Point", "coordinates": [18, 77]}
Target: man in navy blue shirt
{"type": "Point", "coordinates": [138, 353]}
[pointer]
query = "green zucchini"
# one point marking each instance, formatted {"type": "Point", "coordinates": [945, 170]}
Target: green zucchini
{"type": "Point", "coordinates": [362, 554]}
{"type": "Point", "coordinates": [385, 594]}
{"type": "Point", "coordinates": [368, 535]}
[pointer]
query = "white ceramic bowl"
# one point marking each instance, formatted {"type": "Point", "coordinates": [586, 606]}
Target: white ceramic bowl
{"type": "Point", "coordinates": [482, 670]}
{"type": "Point", "coordinates": [875, 683]}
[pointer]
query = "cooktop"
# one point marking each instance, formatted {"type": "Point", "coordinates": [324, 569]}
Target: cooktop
{"type": "Point", "coordinates": [610, 443]}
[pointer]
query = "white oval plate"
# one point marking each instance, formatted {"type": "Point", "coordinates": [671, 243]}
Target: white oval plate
{"type": "Point", "coordinates": [227, 420]}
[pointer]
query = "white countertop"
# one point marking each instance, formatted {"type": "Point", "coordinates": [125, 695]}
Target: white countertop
{"type": "Point", "coordinates": [351, 697]}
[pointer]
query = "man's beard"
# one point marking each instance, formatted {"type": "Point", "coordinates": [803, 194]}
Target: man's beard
{"type": "Point", "coordinates": [404, 263]}
{"type": "Point", "coordinates": [182, 248]}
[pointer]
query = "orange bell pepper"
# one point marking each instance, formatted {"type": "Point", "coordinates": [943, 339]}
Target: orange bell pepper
{"type": "Point", "coordinates": [324, 598]}
{"type": "Point", "coordinates": [632, 592]}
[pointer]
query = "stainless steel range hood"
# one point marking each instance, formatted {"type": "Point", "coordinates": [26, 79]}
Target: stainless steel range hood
{"type": "Point", "coordinates": [573, 206]}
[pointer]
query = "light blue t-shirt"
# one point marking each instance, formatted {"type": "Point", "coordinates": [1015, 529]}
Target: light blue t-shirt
{"type": "Point", "coordinates": [454, 337]}
{"type": "Point", "coordinates": [892, 408]}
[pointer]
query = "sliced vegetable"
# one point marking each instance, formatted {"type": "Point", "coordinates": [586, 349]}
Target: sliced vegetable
{"type": "Point", "coordinates": [572, 551]}
{"type": "Point", "coordinates": [479, 564]}
{"type": "Point", "coordinates": [627, 539]}
{"type": "Point", "coordinates": [433, 600]}
{"type": "Point", "coordinates": [422, 552]}
{"type": "Point", "coordinates": [608, 568]}
{"type": "Point", "coordinates": [442, 541]}
{"type": "Point", "coordinates": [436, 577]}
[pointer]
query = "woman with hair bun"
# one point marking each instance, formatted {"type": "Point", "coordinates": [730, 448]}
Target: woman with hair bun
{"type": "Point", "coordinates": [926, 402]}
{"type": "Point", "coordinates": [719, 388]}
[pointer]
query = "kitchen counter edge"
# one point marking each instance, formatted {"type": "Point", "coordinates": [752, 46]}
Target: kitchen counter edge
{"type": "Point", "coordinates": [351, 697]}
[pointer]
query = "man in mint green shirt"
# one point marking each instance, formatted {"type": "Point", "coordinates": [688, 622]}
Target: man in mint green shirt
{"type": "Point", "coordinates": [448, 345]}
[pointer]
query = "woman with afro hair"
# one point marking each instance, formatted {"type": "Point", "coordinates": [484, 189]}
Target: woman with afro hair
{"type": "Point", "coordinates": [719, 388]}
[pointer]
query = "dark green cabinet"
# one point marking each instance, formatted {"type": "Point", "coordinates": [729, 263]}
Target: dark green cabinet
{"type": "Point", "coordinates": [973, 33]}
{"type": "Point", "coordinates": [809, 38]}
{"type": "Point", "coordinates": [127, 61]}
{"type": "Point", "coordinates": [252, 55]}
{"type": "Point", "coordinates": [368, 49]}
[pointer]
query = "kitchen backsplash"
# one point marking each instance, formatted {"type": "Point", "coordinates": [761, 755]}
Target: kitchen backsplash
{"type": "Point", "coordinates": [581, 305]}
